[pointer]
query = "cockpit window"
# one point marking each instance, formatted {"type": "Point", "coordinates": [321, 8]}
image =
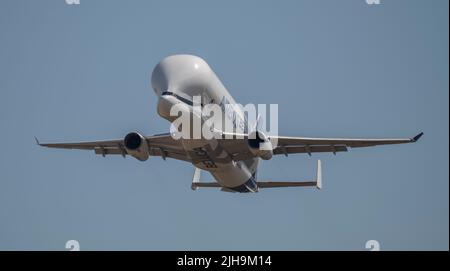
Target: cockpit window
{"type": "Point", "coordinates": [184, 100]}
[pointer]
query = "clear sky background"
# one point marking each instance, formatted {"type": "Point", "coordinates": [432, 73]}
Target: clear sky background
{"type": "Point", "coordinates": [336, 69]}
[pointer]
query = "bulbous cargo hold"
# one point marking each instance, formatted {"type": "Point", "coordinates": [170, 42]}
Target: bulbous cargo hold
{"type": "Point", "coordinates": [179, 78]}
{"type": "Point", "coordinates": [182, 74]}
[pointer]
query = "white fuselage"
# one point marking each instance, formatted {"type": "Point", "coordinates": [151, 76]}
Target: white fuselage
{"type": "Point", "coordinates": [176, 80]}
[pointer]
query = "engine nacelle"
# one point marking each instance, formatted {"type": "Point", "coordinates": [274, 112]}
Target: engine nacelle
{"type": "Point", "coordinates": [260, 145]}
{"type": "Point", "coordinates": [136, 146]}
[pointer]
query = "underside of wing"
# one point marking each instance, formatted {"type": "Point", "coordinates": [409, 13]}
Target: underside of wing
{"type": "Point", "coordinates": [349, 142]}
{"type": "Point", "coordinates": [238, 146]}
{"type": "Point", "coordinates": [162, 145]}
{"type": "Point", "coordinates": [286, 145]}
{"type": "Point", "coordinates": [287, 149]}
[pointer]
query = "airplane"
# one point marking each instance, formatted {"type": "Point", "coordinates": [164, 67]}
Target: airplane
{"type": "Point", "coordinates": [233, 162]}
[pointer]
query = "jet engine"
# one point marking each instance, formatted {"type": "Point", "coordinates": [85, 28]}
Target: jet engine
{"type": "Point", "coordinates": [260, 145]}
{"type": "Point", "coordinates": [136, 146]}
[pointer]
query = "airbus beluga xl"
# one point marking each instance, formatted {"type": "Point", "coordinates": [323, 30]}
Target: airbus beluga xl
{"type": "Point", "coordinates": [233, 162]}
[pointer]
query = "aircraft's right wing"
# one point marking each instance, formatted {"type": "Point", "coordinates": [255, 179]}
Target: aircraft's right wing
{"type": "Point", "coordinates": [159, 145]}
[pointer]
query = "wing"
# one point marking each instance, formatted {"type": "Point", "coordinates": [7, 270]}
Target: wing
{"type": "Point", "coordinates": [159, 145]}
{"type": "Point", "coordinates": [286, 145]}
{"type": "Point", "coordinates": [290, 145]}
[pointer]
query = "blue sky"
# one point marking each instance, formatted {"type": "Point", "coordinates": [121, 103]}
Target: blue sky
{"type": "Point", "coordinates": [336, 69]}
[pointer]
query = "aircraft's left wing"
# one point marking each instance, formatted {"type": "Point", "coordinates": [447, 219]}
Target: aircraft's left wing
{"type": "Point", "coordinates": [159, 145]}
{"type": "Point", "coordinates": [286, 145]}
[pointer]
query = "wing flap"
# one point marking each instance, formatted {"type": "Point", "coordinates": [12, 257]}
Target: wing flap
{"type": "Point", "coordinates": [308, 149]}
{"type": "Point", "coordinates": [109, 151]}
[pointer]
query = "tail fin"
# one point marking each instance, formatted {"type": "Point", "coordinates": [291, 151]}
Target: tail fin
{"type": "Point", "coordinates": [319, 175]}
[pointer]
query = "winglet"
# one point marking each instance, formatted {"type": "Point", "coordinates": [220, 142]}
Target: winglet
{"type": "Point", "coordinates": [417, 137]}
{"type": "Point", "coordinates": [319, 175]}
{"type": "Point", "coordinates": [37, 141]}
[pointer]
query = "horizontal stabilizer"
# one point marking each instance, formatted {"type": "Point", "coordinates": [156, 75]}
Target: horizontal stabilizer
{"type": "Point", "coordinates": [317, 183]}
{"type": "Point", "coordinates": [196, 183]}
